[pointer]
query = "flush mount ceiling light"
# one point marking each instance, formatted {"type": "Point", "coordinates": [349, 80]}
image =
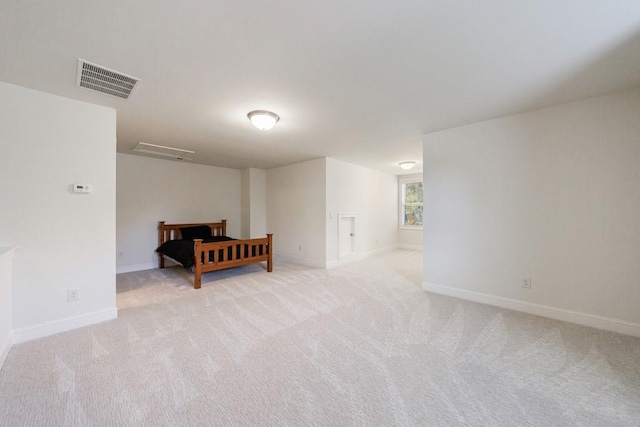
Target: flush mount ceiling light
{"type": "Point", "coordinates": [407, 165]}
{"type": "Point", "coordinates": [161, 150]}
{"type": "Point", "coordinates": [263, 120]}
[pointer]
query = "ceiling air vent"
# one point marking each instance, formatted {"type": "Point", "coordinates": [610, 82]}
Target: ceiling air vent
{"type": "Point", "coordinates": [101, 79]}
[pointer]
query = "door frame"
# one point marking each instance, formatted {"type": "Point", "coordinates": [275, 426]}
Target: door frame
{"type": "Point", "coordinates": [342, 215]}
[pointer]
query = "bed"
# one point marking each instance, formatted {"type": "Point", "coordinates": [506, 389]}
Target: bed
{"type": "Point", "coordinates": [205, 247]}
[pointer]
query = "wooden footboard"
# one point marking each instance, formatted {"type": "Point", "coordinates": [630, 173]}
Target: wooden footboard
{"type": "Point", "coordinates": [234, 253]}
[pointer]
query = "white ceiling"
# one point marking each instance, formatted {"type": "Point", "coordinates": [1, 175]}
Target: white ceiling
{"type": "Point", "coordinates": [358, 80]}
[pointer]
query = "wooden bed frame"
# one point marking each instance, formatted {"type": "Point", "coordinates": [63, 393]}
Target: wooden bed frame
{"type": "Point", "coordinates": [216, 255]}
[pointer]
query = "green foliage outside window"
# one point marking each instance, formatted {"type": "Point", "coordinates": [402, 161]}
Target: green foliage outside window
{"type": "Point", "coordinates": [412, 203]}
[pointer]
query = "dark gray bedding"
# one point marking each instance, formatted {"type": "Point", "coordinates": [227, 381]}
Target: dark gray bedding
{"type": "Point", "coordinates": [182, 250]}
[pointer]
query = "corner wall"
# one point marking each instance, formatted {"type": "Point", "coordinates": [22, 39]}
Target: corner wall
{"type": "Point", "coordinates": [372, 196]}
{"type": "Point", "coordinates": [65, 240]}
{"type": "Point", "coordinates": [254, 203]}
{"type": "Point", "coordinates": [245, 204]}
{"type": "Point", "coordinates": [6, 306]}
{"type": "Point", "coordinates": [258, 208]}
{"type": "Point", "coordinates": [552, 195]}
{"type": "Point", "coordinates": [152, 190]}
{"type": "Point", "coordinates": [296, 200]}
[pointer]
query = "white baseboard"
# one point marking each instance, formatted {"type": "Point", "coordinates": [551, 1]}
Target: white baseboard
{"type": "Point", "coordinates": [359, 256]}
{"type": "Point", "coordinates": [585, 319]}
{"type": "Point", "coordinates": [4, 350]}
{"type": "Point", "coordinates": [49, 328]}
{"type": "Point", "coordinates": [334, 263]}
{"type": "Point", "coordinates": [135, 267]}
{"type": "Point", "coordinates": [298, 260]}
{"type": "Point", "coordinates": [410, 247]}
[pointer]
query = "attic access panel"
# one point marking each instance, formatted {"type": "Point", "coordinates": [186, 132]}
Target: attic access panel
{"type": "Point", "coordinates": [164, 151]}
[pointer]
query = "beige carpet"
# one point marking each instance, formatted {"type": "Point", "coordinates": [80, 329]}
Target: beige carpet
{"type": "Point", "coordinates": [357, 345]}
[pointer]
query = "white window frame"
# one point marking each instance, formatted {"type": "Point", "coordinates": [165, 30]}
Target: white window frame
{"type": "Point", "coordinates": [407, 179]}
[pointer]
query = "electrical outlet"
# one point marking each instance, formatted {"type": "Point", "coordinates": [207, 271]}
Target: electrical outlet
{"type": "Point", "coordinates": [526, 283]}
{"type": "Point", "coordinates": [73, 295]}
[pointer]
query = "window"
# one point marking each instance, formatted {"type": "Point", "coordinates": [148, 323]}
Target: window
{"type": "Point", "coordinates": [411, 203]}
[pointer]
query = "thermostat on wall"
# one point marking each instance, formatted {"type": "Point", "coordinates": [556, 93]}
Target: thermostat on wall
{"type": "Point", "coordinates": [81, 188]}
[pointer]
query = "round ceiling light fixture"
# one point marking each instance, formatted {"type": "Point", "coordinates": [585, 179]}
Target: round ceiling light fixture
{"type": "Point", "coordinates": [263, 120]}
{"type": "Point", "coordinates": [407, 165]}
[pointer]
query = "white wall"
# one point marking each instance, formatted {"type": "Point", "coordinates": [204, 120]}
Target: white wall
{"type": "Point", "coordinates": [408, 238]}
{"type": "Point", "coordinates": [245, 204]}
{"type": "Point", "coordinates": [6, 308]}
{"type": "Point", "coordinates": [258, 207]}
{"type": "Point", "coordinates": [152, 190]}
{"type": "Point", "coordinates": [65, 240]}
{"type": "Point", "coordinates": [296, 203]}
{"type": "Point", "coordinates": [254, 203]}
{"type": "Point", "coordinates": [372, 196]}
{"type": "Point", "coordinates": [552, 195]}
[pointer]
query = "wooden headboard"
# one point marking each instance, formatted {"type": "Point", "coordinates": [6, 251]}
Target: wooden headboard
{"type": "Point", "coordinates": [168, 232]}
